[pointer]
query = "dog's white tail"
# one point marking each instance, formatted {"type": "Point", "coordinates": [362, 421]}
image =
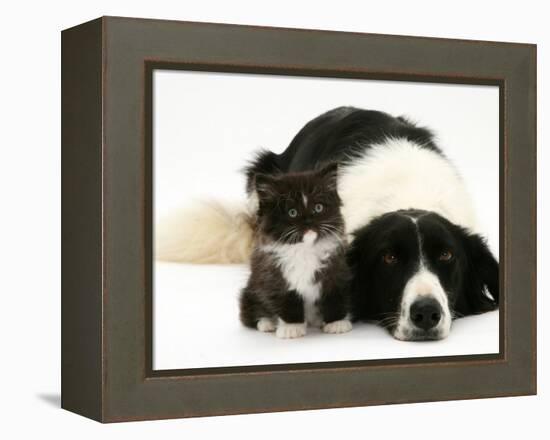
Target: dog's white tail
{"type": "Point", "coordinates": [205, 233]}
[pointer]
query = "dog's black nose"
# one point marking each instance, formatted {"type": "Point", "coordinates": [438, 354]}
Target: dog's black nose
{"type": "Point", "coordinates": [425, 313]}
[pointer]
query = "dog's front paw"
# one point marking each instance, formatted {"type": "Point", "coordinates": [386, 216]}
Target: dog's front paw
{"type": "Point", "coordinates": [341, 326]}
{"type": "Point", "coordinates": [290, 331]}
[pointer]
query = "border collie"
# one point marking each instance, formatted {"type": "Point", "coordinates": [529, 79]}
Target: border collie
{"type": "Point", "coordinates": [416, 258]}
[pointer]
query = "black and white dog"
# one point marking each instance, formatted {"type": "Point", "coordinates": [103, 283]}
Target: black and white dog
{"type": "Point", "coordinates": [416, 258]}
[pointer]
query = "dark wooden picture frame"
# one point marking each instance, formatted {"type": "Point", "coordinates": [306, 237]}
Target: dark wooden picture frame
{"type": "Point", "coordinates": [107, 67]}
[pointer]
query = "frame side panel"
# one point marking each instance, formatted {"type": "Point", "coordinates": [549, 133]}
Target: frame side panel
{"type": "Point", "coordinates": [81, 213]}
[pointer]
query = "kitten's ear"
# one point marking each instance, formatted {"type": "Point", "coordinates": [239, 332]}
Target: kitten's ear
{"type": "Point", "coordinates": [330, 174]}
{"type": "Point", "coordinates": [265, 186]}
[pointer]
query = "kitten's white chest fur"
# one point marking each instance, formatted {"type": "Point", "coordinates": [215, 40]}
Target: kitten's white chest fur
{"type": "Point", "coordinates": [299, 262]}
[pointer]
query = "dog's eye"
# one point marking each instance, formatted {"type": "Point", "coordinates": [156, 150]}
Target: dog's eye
{"type": "Point", "coordinates": [292, 212]}
{"type": "Point", "coordinates": [318, 208]}
{"type": "Point", "coordinates": [389, 258]}
{"type": "Point", "coordinates": [445, 256]}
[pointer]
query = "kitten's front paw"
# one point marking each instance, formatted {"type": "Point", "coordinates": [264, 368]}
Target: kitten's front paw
{"type": "Point", "coordinates": [341, 326]}
{"type": "Point", "coordinates": [290, 331]}
{"type": "Point", "coordinates": [265, 325]}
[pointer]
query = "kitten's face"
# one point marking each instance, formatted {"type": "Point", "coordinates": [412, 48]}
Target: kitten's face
{"type": "Point", "coordinates": [299, 207]}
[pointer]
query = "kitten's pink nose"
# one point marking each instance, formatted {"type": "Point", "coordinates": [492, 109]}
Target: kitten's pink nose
{"type": "Point", "coordinates": [310, 236]}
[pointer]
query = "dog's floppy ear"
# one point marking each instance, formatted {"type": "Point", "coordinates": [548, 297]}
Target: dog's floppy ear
{"type": "Point", "coordinates": [354, 254]}
{"type": "Point", "coordinates": [482, 277]}
{"type": "Point", "coordinates": [357, 261]}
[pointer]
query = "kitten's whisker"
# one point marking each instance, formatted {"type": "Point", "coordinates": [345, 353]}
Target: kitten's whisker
{"type": "Point", "coordinates": [330, 232]}
{"type": "Point", "coordinates": [331, 225]}
{"type": "Point", "coordinates": [295, 237]}
{"type": "Point", "coordinates": [333, 228]}
{"type": "Point", "coordinates": [287, 235]}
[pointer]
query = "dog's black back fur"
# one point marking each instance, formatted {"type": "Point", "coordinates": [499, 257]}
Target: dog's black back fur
{"type": "Point", "coordinates": [335, 136]}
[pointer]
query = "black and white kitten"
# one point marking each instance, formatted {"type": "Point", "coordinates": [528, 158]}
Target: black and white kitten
{"type": "Point", "coordinates": [299, 274]}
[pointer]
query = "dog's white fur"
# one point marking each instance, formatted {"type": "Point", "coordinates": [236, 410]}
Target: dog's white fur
{"type": "Point", "coordinates": [397, 174]}
{"type": "Point", "coordinates": [423, 284]}
{"type": "Point", "coordinates": [400, 174]}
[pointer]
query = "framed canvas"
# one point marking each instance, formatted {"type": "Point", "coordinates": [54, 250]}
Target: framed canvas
{"type": "Point", "coordinates": [162, 117]}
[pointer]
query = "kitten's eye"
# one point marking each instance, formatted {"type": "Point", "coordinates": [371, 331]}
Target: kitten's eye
{"type": "Point", "coordinates": [318, 208]}
{"type": "Point", "coordinates": [293, 213]}
{"type": "Point", "coordinates": [446, 256]}
{"type": "Point", "coordinates": [389, 258]}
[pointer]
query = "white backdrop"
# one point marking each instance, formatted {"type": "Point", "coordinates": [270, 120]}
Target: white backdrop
{"type": "Point", "coordinates": [207, 126]}
{"type": "Point", "coordinates": [30, 188]}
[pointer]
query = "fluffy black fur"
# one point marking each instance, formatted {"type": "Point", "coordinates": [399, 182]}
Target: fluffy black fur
{"type": "Point", "coordinates": [268, 294]}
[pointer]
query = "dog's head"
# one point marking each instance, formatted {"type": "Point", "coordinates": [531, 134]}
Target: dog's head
{"type": "Point", "coordinates": [414, 271]}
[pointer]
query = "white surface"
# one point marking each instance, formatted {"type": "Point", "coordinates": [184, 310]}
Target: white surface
{"type": "Point", "coordinates": [207, 126]}
{"type": "Point", "coordinates": [30, 260]}
{"type": "Point", "coordinates": [200, 328]}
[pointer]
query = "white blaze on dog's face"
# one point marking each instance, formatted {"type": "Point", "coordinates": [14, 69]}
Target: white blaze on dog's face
{"type": "Point", "coordinates": [425, 312]}
{"type": "Point", "coordinates": [414, 271]}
